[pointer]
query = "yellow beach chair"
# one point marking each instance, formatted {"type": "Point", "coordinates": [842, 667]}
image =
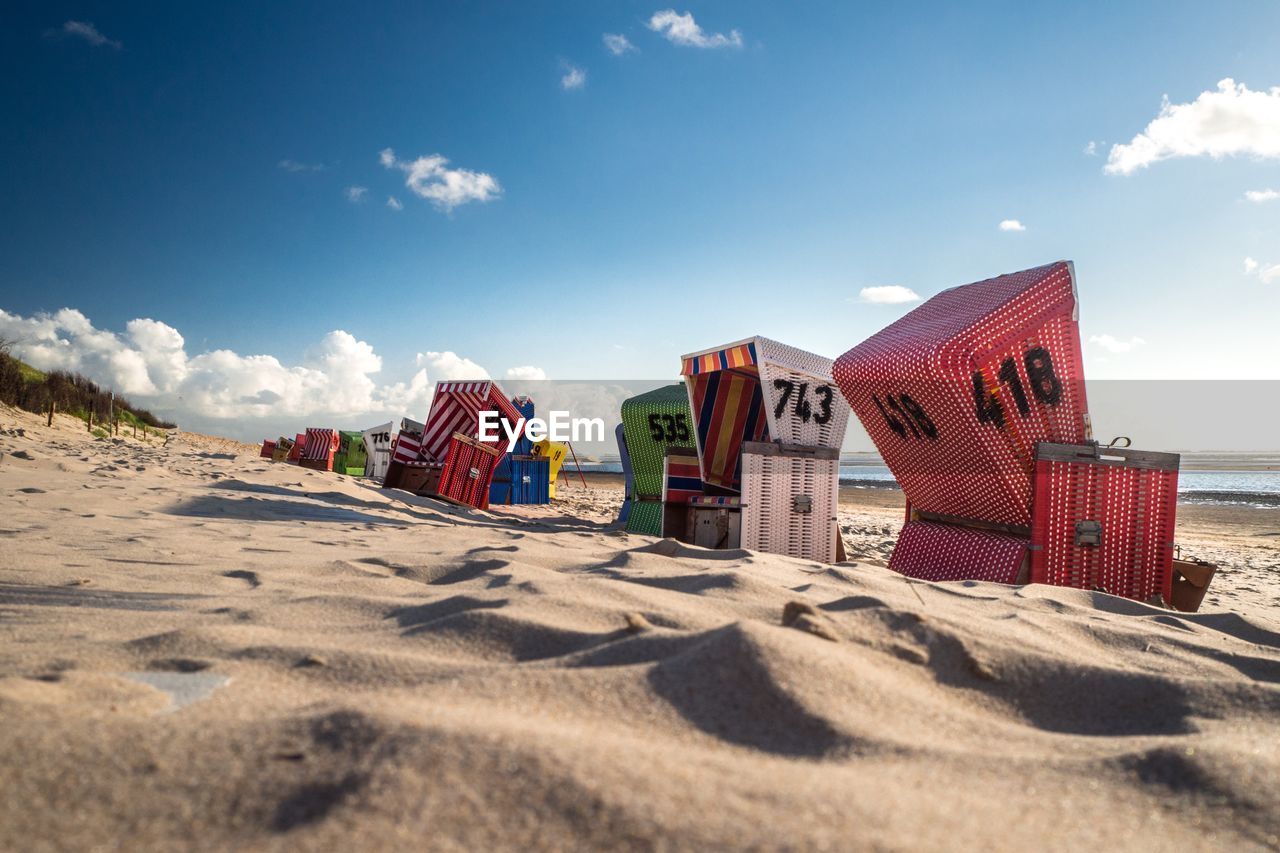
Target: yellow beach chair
{"type": "Point", "coordinates": [554, 451]}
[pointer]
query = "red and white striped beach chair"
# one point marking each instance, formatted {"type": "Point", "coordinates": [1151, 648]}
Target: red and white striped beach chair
{"type": "Point", "coordinates": [321, 445]}
{"type": "Point", "coordinates": [447, 452]}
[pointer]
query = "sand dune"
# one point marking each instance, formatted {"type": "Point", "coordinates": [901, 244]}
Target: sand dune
{"type": "Point", "coordinates": [205, 649]}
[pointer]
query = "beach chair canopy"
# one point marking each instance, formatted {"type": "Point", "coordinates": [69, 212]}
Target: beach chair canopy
{"type": "Point", "coordinates": [456, 407]}
{"type": "Point", "coordinates": [957, 393]}
{"type": "Point", "coordinates": [759, 390]}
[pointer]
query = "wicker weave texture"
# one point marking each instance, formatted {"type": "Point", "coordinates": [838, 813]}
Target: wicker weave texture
{"type": "Point", "coordinates": [770, 520]}
{"type": "Point", "coordinates": [947, 552]}
{"type": "Point", "coordinates": [957, 393]}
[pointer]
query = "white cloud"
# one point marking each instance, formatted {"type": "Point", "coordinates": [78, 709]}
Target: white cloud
{"type": "Point", "coordinates": [448, 365]}
{"type": "Point", "coordinates": [617, 44]}
{"type": "Point", "coordinates": [1011, 225]}
{"type": "Point", "coordinates": [356, 195]}
{"type": "Point", "coordinates": [1259, 196]}
{"type": "Point", "coordinates": [683, 30]}
{"type": "Point", "coordinates": [574, 78]}
{"type": "Point", "coordinates": [394, 203]}
{"type": "Point", "coordinates": [1112, 344]}
{"type": "Point", "coordinates": [527, 371]}
{"type": "Point", "coordinates": [1091, 148]}
{"type": "Point", "coordinates": [1232, 120]}
{"type": "Point", "coordinates": [428, 177]}
{"type": "Point", "coordinates": [1266, 273]}
{"type": "Point", "coordinates": [295, 166]}
{"type": "Point", "coordinates": [90, 33]}
{"type": "Point", "coordinates": [226, 391]}
{"type": "Point", "coordinates": [888, 294]}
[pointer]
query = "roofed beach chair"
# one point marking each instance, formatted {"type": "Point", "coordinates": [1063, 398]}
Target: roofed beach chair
{"type": "Point", "coordinates": [350, 458]}
{"type": "Point", "coordinates": [769, 422]}
{"type": "Point", "coordinates": [320, 448]}
{"type": "Point", "coordinates": [268, 449]}
{"type": "Point", "coordinates": [521, 477]}
{"type": "Point", "coordinates": [976, 402]}
{"type": "Point", "coordinates": [652, 422]}
{"type": "Point", "coordinates": [377, 450]}
{"type": "Point", "coordinates": [283, 447]}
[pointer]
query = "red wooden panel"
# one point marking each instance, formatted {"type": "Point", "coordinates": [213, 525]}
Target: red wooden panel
{"type": "Point", "coordinates": [957, 393]}
{"type": "Point", "coordinates": [268, 448]}
{"type": "Point", "coordinates": [946, 552]}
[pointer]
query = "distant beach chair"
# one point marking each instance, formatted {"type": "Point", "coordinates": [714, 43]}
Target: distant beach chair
{"type": "Point", "coordinates": [455, 463]}
{"type": "Point", "coordinates": [652, 422]}
{"type": "Point", "coordinates": [976, 402]}
{"type": "Point", "coordinates": [628, 476]}
{"type": "Point", "coordinates": [321, 445]}
{"type": "Point", "coordinates": [350, 457]}
{"type": "Point", "coordinates": [768, 425]}
{"type": "Point", "coordinates": [283, 448]}
{"type": "Point", "coordinates": [268, 449]}
{"type": "Point", "coordinates": [521, 477]}
{"type": "Point", "coordinates": [554, 452]}
{"type": "Point", "coordinates": [377, 450]}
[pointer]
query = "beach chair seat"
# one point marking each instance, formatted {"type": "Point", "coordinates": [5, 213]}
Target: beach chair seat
{"type": "Point", "coordinates": [1104, 519]}
{"type": "Point", "coordinates": [321, 445]}
{"type": "Point", "coordinates": [936, 551]}
{"type": "Point", "coordinates": [681, 484]}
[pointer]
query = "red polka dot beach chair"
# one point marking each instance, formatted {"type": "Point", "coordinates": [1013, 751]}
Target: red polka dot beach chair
{"type": "Point", "coordinates": [976, 402]}
{"type": "Point", "coordinates": [319, 449]}
{"type": "Point", "coordinates": [768, 424]}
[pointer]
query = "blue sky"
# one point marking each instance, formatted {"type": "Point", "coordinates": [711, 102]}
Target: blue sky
{"type": "Point", "coordinates": [679, 197]}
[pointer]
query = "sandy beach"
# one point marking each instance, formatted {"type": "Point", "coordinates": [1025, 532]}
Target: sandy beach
{"type": "Point", "coordinates": [202, 649]}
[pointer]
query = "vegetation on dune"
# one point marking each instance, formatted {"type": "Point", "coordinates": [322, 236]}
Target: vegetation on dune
{"type": "Point", "coordinates": [24, 387]}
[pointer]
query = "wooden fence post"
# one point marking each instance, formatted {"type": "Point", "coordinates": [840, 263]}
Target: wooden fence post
{"type": "Point", "coordinates": [51, 405]}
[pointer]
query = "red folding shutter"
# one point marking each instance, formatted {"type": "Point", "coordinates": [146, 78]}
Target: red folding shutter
{"type": "Point", "coordinates": [1127, 500]}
